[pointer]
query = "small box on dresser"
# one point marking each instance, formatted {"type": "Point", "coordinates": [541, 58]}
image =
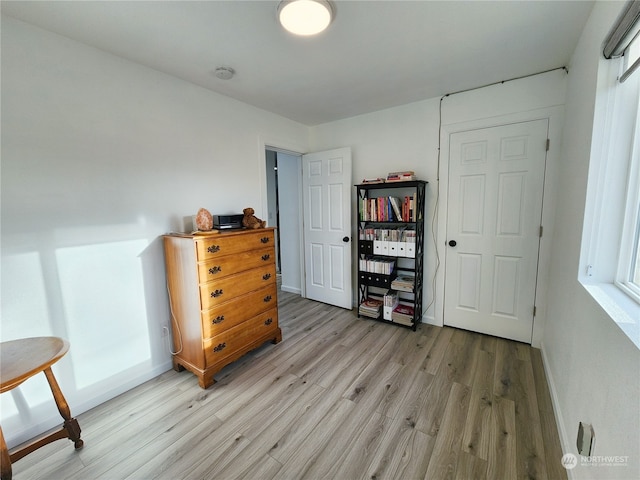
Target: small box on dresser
{"type": "Point", "coordinates": [223, 297]}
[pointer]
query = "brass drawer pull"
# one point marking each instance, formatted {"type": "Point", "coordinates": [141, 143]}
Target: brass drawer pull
{"type": "Point", "coordinates": [218, 319]}
{"type": "Point", "coordinates": [266, 276]}
{"type": "Point", "coordinates": [267, 299]}
{"type": "Point", "coordinates": [266, 257]}
{"type": "Point", "coordinates": [214, 270]}
{"type": "Point", "coordinates": [264, 239]}
{"type": "Point", "coordinates": [268, 321]}
{"type": "Point", "coordinates": [213, 249]}
{"type": "Point", "coordinates": [216, 293]}
{"type": "Point", "coordinates": [220, 347]}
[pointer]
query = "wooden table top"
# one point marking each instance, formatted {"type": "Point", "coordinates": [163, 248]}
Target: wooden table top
{"type": "Point", "coordinates": [23, 358]}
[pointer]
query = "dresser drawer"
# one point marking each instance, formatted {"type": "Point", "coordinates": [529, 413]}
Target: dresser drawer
{"type": "Point", "coordinates": [229, 314]}
{"type": "Point", "coordinates": [227, 288]}
{"type": "Point", "coordinates": [214, 247]}
{"type": "Point", "coordinates": [217, 268]}
{"type": "Point", "coordinates": [236, 338]}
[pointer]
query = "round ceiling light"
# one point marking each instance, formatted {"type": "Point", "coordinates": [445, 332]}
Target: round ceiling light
{"type": "Point", "coordinates": [305, 17]}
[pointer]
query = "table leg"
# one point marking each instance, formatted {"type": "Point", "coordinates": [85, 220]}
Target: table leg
{"type": "Point", "coordinates": [70, 424]}
{"type": "Point", "coordinates": [5, 459]}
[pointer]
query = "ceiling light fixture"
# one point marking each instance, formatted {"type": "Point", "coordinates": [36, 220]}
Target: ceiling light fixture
{"type": "Point", "coordinates": [305, 17]}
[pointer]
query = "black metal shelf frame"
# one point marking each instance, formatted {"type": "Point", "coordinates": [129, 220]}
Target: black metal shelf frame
{"type": "Point", "coordinates": [418, 188]}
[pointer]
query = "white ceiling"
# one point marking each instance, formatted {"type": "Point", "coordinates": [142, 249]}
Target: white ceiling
{"type": "Point", "coordinates": [375, 54]}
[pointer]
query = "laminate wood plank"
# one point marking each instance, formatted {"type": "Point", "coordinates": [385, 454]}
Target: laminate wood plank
{"type": "Point", "coordinates": [364, 330]}
{"type": "Point", "coordinates": [266, 429]}
{"type": "Point", "coordinates": [304, 427]}
{"type": "Point", "coordinates": [345, 365]}
{"type": "Point", "coordinates": [444, 458]}
{"type": "Point", "coordinates": [505, 373]}
{"type": "Point", "coordinates": [360, 433]}
{"type": "Point", "coordinates": [416, 457]}
{"type": "Point", "coordinates": [403, 451]}
{"type": "Point", "coordinates": [502, 457]}
{"type": "Point", "coordinates": [488, 343]}
{"type": "Point", "coordinates": [550, 435]}
{"type": "Point", "coordinates": [431, 413]}
{"type": "Point", "coordinates": [437, 351]}
{"type": "Point", "coordinates": [178, 410]}
{"type": "Point", "coordinates": [407, 379]}
{"type": "Point", "coordinates": [265, 469]}
{"type": "Point", "coordinates": [542, 390]}
{"type": "Point", "coordinates": [552, 448]}
{"type": "Point", "coordinates": [229, 441]}
{"type": "Point", "coordinates": [410, 347]}
{"type": "Point", "coordinates": [476, 438]}
{"type": "Point", "coordinates": [459, 362]}
{"type": "Point", "coordinates": [309, 450]}
{"type": "Point", "coordinates": [166, 456]}
{"type": "Point", "coordinates": [371, 375]}
{"type": "Point", "coordinates": [54, 462]}
{"type": "Point", "coordinates": [470, 467]}
{"type": "Point", "coordinates": [530, 447]}
{"type": "Point", "coordinates": [268, 388]}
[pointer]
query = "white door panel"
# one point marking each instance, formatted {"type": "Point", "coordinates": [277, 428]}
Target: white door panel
{"type": "Point", "coordinates": [496, 179]}
{"type": "Point", "coordinates": [327, 188]}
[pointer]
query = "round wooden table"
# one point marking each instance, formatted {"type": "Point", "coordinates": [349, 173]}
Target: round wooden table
{"type": "Point", "coordinates": [20, 360]}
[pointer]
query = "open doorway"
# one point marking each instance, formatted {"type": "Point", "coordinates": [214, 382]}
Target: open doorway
{"type": "Point", "coordinates": [284, 204]}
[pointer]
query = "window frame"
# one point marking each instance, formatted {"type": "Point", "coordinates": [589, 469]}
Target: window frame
{"type": "Point", "coordinates": [629, 259]}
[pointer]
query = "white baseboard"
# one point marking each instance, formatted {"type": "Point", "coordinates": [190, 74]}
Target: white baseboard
{"type": "Point", "coordinates": [564, 438]}
{"type": "Point", "coordinates": [297, 291]}
{"type": "Point", "coordinates": [430, 320]}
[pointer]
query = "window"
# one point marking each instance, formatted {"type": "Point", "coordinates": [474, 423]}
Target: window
{"type": "Point", "coordinates": [610, 253]}
{"type": "Point", "coordinates": [628, 274]}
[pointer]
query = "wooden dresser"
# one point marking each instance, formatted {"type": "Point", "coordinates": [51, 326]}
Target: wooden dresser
{"type": "Point", "coordinates": [223, 297]}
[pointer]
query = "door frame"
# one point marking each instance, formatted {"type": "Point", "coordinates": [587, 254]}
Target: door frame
{"type": "Point", "coordinates": [290, 148]}
{"type": "Point", "coordinates": [555, 116]}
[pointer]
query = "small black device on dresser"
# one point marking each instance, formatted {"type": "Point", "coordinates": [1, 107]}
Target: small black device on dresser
{"type": "Point", "coordinates": [226, 222]}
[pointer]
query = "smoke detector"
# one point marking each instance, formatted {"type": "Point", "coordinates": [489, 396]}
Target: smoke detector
{"type": "Point", "coordinates": [224, 73]}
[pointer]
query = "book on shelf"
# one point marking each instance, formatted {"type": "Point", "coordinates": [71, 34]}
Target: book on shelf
{"type": "Point", "coordinates": [373, 180]}
{"type": "Point", "coordinates": [403, 314]}
{"type": "Point", "coordinates": [403, 283]}
{"type": "Point", "coordinates": [376, 265]}
{"type": "Point", "coordinates": [387, 209]}
{"type": "Point", "coordinates": [370, 307]}
{"type": "Point", "coordinates": [390, 301]}
{"type": "Point", "coordinates": [404, 176]}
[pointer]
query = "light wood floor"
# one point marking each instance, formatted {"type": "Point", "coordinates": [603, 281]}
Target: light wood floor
{"type": "Point", "coordinates": [338, 398]}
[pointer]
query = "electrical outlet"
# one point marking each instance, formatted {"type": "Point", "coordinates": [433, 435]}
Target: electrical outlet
{"type": "Point", "coordinates": [586, 438]}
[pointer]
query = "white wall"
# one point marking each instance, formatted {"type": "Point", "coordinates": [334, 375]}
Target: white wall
{"type": "Point", "coordinates": [100, 157]}
{"type": "Point", "coordinates": [593, 368]}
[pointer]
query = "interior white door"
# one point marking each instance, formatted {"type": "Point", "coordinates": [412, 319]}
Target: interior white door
{"type": "Point", "coordinates": [496, 180]}
{"type": "Point", "coordinates": [326, 186]}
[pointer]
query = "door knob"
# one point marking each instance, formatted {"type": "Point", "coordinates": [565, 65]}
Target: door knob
{"type": "Point", "coordinates": [345, 239]}
{"type": "Point", "coordinates": [452, 243]}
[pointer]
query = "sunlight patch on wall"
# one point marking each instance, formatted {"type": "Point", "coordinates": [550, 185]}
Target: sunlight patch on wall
{"type": "Point", "coordinates": [104, 304]}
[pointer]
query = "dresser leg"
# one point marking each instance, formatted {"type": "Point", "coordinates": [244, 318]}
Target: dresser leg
{"type": "Point", "coordinates": [176, 366]}
{"type": "Point", "coordinates": [205, 382]}
{"type": "Point", "coordinates": [278, 337]}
